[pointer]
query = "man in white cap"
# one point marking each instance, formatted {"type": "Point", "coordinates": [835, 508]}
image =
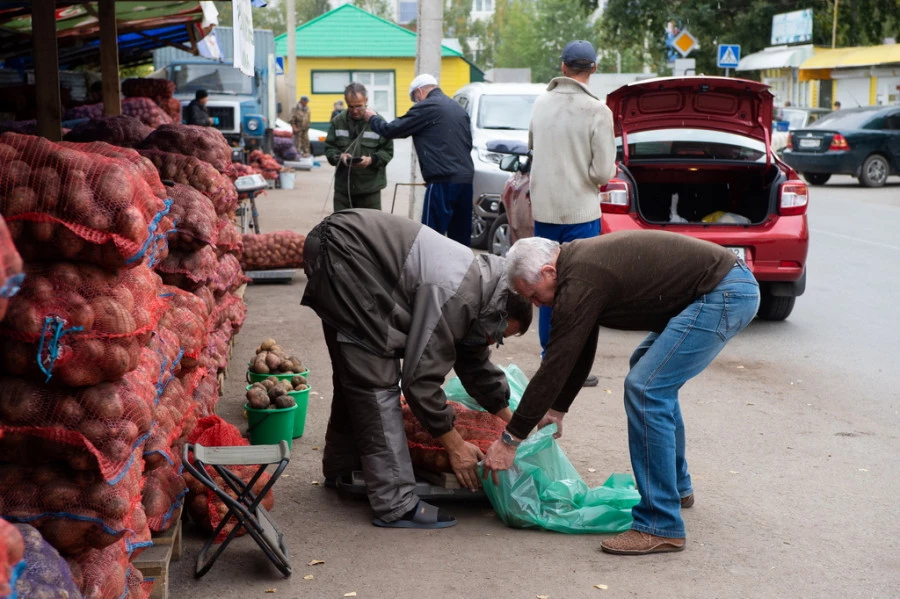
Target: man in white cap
{"type": "Point", "coordinates": [443, 140]}
{"type": "Point", "coordinates": [574, 152]}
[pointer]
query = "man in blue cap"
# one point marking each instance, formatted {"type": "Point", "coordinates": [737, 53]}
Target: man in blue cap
{"type": "Point", "coordinates": [574, 152]}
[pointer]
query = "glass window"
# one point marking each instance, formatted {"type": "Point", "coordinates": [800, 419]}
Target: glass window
{"type": "Point", "coordinates": [689, 144]}
{"type": "Point", "coordinates": [384, 79]}
{"type": "Point", "coordinates": [382, 100]}
{"type": "Point", "coordinates": [844, 119]}
{"type": "Point", "coordinates": [219, 79]}
{"type": "Point", "coordinates": [505, 112]}
{"type": "Point", "coordinates": [330, 82]}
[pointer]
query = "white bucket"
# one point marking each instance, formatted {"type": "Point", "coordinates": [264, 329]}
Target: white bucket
{"type": "Point", "coordinates": [286, 180]}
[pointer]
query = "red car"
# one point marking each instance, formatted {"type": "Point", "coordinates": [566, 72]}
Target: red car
{"type": "Point", "coordinates": [694, 157]}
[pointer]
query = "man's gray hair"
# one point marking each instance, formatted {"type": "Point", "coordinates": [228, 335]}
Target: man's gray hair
{"type": "Point", "coordinates": [526, 258]}
{"type": "Point", "coordinates": [356, 89]}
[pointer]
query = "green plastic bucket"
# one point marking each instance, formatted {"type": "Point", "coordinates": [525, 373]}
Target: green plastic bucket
{"type": "Point", "coordinates": [302, 399]}
{"type": "Point", "coordinates": [255, 377]}
{"type": "Point", "coordinates": [269, 427]}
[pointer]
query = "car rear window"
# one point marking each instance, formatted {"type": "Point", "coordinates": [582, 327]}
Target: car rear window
{"type": "Point", "coordinates": [688, 144]}
{"type": "Point", "coordinates": [844, 120]}
{"type": "Point", "coordinates": [506, 112]}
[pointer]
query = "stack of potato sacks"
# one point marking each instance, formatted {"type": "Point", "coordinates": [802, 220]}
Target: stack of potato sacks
{"type": "Point", "coordinates": [103, 368]}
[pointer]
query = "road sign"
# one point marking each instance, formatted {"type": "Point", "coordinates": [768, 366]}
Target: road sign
{"type": "Point", "coordinates": [279, 65]}
{"type": "Point", "coordinates": [729, 56]}
{"type": "Point", "coordinates": [684, 42]}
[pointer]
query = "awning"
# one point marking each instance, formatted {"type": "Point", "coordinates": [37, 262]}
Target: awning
{"type": "Point", "coordinates": [843, 58]}
{"type": "Point", "coordinates": [776, 57]}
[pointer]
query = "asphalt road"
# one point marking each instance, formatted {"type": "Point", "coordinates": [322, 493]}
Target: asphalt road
{"type": "Point", "coordinates": [792, 443]}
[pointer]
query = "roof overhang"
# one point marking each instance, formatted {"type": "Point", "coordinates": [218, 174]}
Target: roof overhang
{"type": "Point", "coordinates": [848, 58]}
{"type": "Point", "coordinates": [776, 57]}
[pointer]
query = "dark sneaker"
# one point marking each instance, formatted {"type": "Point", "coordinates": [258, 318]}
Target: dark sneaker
{"type": "Point", "coordinates": [591, 381]}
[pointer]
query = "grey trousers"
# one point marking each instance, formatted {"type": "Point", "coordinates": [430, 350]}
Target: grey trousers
{"type": "Point", "coordinates": [366, 427]}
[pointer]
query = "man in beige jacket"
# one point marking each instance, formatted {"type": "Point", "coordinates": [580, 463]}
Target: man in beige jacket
{"type": "Point", "coordinates": [574, 152]}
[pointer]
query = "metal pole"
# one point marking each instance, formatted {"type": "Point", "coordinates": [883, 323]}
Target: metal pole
{"type": "Point", "coordinates": [290, 61]}
{"type": "Point", "coordinates": [834, 24]}
{"type": "Point", "coordinates": [46, 70]}
{"type": "Point", "coordinates": [430, 24]}
{"type": "Point", "coordinates": [109, 58]}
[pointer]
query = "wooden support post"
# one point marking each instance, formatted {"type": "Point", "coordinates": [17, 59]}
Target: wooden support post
{"type": "Point", "coordinates": [109, 58]}
{"type": "Point", "coordinates": [46, 70]}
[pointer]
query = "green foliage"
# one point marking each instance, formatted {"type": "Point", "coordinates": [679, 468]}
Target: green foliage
{"type": "Point", "coordinates": [274, 16]}
{"type": "Point", "coordinates": [136, 71]}
{"type": "Point", "coordinates": [379, 8]}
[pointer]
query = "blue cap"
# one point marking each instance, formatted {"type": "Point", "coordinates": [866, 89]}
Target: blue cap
{"type": "Point", "coordinates": [579, 53]}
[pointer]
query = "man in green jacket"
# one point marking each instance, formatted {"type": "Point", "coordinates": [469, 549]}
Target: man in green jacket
{"type": "Point", "coordinates": [360, 155]}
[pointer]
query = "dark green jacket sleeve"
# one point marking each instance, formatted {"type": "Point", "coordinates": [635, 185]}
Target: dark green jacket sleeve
{"type": "Point", "coordinates": [482, 379]}
{"type": "Point", "coordinates": [332, 152]}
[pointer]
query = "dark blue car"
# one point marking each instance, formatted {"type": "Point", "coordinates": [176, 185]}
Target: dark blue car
{"type": "Point", "coordinates": [862, 142]}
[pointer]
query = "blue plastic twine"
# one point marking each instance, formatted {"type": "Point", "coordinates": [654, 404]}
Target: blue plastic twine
{"type": "Point", "coordinates": [12, 286]}
{"type": "Point", "coordinates": [56, 326]}
{"type": "Point", "coordinates": [151, 229]}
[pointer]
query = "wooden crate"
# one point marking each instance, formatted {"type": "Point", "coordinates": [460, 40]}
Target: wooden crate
{"type": "Point", "coordinates": [154, 562]}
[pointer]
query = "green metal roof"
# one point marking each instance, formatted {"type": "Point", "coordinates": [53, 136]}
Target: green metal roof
{"type": "Point", "coordinates": [349, 31]}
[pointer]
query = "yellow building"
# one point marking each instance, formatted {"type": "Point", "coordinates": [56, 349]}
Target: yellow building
{"type": "Point", "coordinates": [861, 76]}
{"type": "Point", "coordinates": [350, 44]}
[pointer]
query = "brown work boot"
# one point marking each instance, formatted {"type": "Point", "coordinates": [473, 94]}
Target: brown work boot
{"type": "Point", "coordinates": [687, 502]}
{"type": "Point", "coordinates": [635, 542]}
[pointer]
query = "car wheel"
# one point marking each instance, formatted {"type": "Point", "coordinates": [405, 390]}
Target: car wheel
{"type": "Point", "coordinates": [498, 243]}
{"type": "Point", "coordinates": [817, 178]}
{"type": "Point", "coordinates": [874, 171]}
{"type": "Point", "coordinates": [480, 229]}
{"type": "Point", "coordinates": [775, 307]}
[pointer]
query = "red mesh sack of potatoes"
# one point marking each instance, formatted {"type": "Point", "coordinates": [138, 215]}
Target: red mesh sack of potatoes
{"type": "Point", "coordinates": [229, 276]}
{"type": "Point", "coordinates": [239, 169]}
{"type": "Point", "coordinates": [266, 164]}
{"type": "Point", "coordinates": [80, 324]}
{"type": "Point", "coordinates": [119, 130]}
{"type": "Point", "coordinates": [189, 270]}
{"type": "Point", "coordinates": [228, 239]}
{"type": "Point", "coordinates": [270, 251]}
{"type": "Point", "coordinates": [146, 111]}
{"type": "Point", "coordinates": [148, 87]}
{"type": "Point", "coordinates": [75, 510]}
{"type": "Point", "coordinates": [206, 393]}
{"type": "Point", "coordinates": [12, 556]}
{"type": "Point", "coordinates": [28, 127]}
{"type": "Point", "coordinates": [231, 310]}
{"type": "Point", "coordinates": [163, 496]}
{"type": "Point", "coordinates": [11, 275]}
{"type": "Point", "coordinates": [65, 204]}
{"type": "Point", "coordinates": [45, 572]}
{"type": "Point", "coordinates": [200, 175]}
{"type": "Point", "coordinates": [85, 111]}
{"type": "Point", "coordinates": [107, 574]}
{"type": "Point", "coordinates": [205, 143]}
{"type": "Point", "coordinates": [215, 354]}
{"type": "Point", "coordinates": [282, 133]}
{"type": "Point", "coordinates": [171, 107]}
{"type": "Point", "coordinates": [195, 219]}
{"type": "Point", "coordinates": [144, 168]}
{"type": "Point", "coordinates": [187, 319]}
{"type": "Point", "coordinates": [479, 428]}
{"type": "Point", "coordinates": [205, 508]}
{"type": "Point", "coordinates": [174, 409]}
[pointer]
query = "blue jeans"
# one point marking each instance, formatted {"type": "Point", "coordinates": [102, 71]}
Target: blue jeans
{"type": "Point", "coordinates": [562, 234]}
{"type": "Point", "coordinates": [660, 366]}
{"type": "Point", "coordinates": [448, 210]}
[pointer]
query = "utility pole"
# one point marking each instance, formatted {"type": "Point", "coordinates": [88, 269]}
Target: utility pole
{"type": "Point", "coordinates": [834, 24]}
{"type": "Point", "coordinates": [430, 25]}
{"type": "Point", "coordinates": [290, 61]}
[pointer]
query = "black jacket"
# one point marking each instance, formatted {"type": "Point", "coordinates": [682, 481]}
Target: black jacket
{"type": "Point", "coordinates": [442, 135]}
{"type": "Point", "coordinates": [197, 115]}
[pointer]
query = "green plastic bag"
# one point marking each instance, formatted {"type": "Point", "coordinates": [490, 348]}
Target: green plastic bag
{"type": "Point", "coordinates": [544, 490]}
{"type": "Point", "coordinates": [517, 380]}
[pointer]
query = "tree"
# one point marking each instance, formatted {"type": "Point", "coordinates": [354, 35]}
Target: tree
{"type": "Point", "coordinates": [274, 16]}
{"type": "Point", "coordinates": [379, 8]}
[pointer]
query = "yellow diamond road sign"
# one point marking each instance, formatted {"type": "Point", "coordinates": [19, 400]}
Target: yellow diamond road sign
{"type": "Point", "coordinates": [684, 42]}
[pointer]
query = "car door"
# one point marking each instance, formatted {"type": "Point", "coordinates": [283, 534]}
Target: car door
{"type": "Point", "coordinates": [892, 132]}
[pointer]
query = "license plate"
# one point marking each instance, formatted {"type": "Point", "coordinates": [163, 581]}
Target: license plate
{"type": "Point", "coordinates": [810, 143]}
{"type": "Point", "coordinates": [739, 252]}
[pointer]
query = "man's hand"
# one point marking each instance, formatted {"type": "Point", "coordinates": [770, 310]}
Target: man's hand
{"type": "Point", "coordinates": [553, 417]}
{"type": "Point", "coordinates": [370, 112]}
{"type": "Point", "coordinates": [464, 458]}
{"type": "Point", "coordinates": [366, 161]}
{"type": "Point", "coordinates": [344, 158]}
{"type": "Point", "coordinates": [505, 414]}
{"type": "Point", "coordinates": [500, 456]}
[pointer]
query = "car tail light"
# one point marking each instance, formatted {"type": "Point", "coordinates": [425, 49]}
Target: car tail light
{"type": "Point", "coordinates": [614, 197]}
{"type": "Point", "coordinates": [793, 198]}
{"type": "Point", "coordinates": [790, 142]}
{"type": "Point", "coordinates": [838, 142]}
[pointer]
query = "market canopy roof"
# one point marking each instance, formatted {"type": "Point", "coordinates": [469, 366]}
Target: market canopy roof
{"type": "Point", "coordinates": [142, 27]}
{"type": "Point", "coordinates": [843, 58]}
{"type": "Point", "coordinates": [776, 57]}
{"type": "Point", "coordinates": [348, 31]}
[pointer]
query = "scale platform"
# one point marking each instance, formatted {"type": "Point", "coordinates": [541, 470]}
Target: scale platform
{"type": "Point", "coordinates": [250, 183]}
{"type": "Point", "coordinates": [285, 275]}
{"type": "Point", "coordinates": [425, 489]}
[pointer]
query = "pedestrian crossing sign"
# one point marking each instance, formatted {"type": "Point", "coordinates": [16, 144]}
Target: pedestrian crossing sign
{"type": "Point", "coordinates": [729, 56]}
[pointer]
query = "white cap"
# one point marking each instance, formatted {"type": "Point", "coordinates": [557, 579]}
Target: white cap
{"type": "Point", "coordinates": [421, 81]}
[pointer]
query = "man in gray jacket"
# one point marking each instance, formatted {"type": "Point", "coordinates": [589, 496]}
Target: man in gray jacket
{"type": "Point", "coordinates": [388, 288]}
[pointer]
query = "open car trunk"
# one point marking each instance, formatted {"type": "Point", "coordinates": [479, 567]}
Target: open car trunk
{"type": "Point", "coordinates": [738, 195]}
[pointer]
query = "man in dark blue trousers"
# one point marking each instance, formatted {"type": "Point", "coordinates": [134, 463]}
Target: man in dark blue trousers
{"type": "Point", "coordinates": [443, 139]}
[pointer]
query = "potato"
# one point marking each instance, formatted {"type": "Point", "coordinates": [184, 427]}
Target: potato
{"type": "Point", "coordinates": [296, 381]}
{"type": "Point", "coordinates": [284, 401]}
{"type": "Point", "coordinates": [276, 392]}
{"type": "Point", "coordinates": [301, 387]}
{"type": "Point", "coordinates": [273, 362]}
{"type": "Point", "coordinates": [260, 366]}
{"type": "Point", "coordinates": [269, 383]}
{"type": "Point", "coordinates": [268, 344]}
{"type": "Point", "coordinates": [257, 398]}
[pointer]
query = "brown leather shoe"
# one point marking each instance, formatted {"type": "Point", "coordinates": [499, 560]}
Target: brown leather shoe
{"type": "Point", "coordinates": [687, 502]}
{"type": "Point", "coordinates": [635, 542]}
